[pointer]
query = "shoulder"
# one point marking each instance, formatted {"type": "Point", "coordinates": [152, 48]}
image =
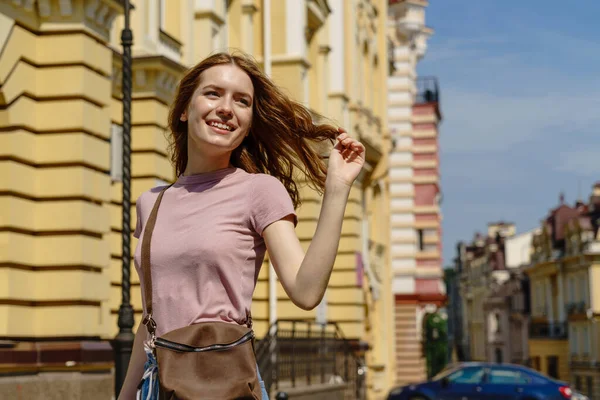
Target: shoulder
{"type": "Point", "coordinates": [263, 187]}
{"type": "Point", "coordinates": [270, 201]}
{"type": "Point", "coordinates": [147, 198]}
{"type": "Point", "coordinates": [264, 181]}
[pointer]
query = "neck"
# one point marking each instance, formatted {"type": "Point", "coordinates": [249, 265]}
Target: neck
{"type": "Point", "coordinates": [201, 166]}
{"type": "Point", "coordinates": [199, 163]}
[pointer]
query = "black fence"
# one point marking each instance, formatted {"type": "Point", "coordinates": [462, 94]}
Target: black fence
{"type": "Point", "coordinates": [546, 330]}
{"type": "Point", "coordinates": [427, 90]}
{"type": "Point", "coordinates": [576, 308]}
{"type": "Point", "coordinates": [302, 353]}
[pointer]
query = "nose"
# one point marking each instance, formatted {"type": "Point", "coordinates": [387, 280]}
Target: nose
{"type": "Point", "coordinates": [224, 109]}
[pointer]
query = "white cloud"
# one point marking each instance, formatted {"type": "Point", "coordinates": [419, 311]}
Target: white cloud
{"type": "Point", "coordinates": [482, 121]}
{"type": "Point", "coordinates": [483, 170]}
{"type": "Point", "coordinates": [449, 49]}
{"type": "Point", "coordinates": [496, 94]}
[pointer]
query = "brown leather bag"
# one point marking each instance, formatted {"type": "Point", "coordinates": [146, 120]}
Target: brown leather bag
{"type": "Point", "coordinates": [208, 360]}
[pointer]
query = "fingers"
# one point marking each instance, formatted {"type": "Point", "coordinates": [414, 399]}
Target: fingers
{"type": "Point", "coordinates": [350, 144]}
{"type": "Point", "coordinates": [347, 144]}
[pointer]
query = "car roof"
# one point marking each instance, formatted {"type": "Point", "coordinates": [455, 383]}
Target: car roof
{"type": "Point", "coordinates": [483, 364]}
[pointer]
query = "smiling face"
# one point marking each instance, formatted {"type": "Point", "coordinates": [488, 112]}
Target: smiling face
{"type": "Point", "coordinates": [219, 114]}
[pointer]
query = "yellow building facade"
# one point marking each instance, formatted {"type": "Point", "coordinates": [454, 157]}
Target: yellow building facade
{"type": "Point", "coordinates": [564, 337]}
{"type": "Point", "coordinates": [582, 302]}
{"type": "Point", "coordinates": [61, 138]}
{"type": "Point", "coordinates": [549, 327]}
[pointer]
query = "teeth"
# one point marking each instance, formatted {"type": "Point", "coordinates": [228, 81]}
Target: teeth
{"type": "Point", "coordinates": [221, 126]}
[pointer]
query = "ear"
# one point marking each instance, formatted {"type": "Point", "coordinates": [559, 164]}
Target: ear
{"type": "Point", "coordinates": [183, 117]}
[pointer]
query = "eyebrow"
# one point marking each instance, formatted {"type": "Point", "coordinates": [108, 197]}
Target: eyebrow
{"type": "Point", "coordinates": [211, 86]}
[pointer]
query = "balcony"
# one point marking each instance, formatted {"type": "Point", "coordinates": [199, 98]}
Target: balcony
{"type": "Point", "coordinates": [427, 90]}
{"type": "Point", "coordinates": [409, 16]}
{"type": "Point", "coordinates": [547, 330]}
{"type": "Point", "coordinates": [576, 308]}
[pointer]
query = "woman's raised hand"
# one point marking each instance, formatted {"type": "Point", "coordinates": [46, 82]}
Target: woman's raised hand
{"type": "Point", "coordinates": [345, 160]}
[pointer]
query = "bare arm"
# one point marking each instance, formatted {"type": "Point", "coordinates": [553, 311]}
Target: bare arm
{"type": "Point", "coordinates": [136, 366]}
{"type": "Point", "coordinates": [305, 276]}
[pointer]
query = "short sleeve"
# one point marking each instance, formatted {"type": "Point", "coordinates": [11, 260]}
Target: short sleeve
{"type": "Point", "coordinates": [270, 202]}
{"type": "Point", "coordinates": [138, 213]}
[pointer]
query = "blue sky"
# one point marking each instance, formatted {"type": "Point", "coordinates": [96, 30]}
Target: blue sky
{"type": "Point", "coordinates": [520, 97]}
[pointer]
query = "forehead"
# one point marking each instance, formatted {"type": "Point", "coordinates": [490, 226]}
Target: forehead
{"type": "Point", "coordinates": [227, 76]}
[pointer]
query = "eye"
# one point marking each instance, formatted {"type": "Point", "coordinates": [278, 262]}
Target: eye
{"type": "Point", "coordinates": [244, 101]}
{"type": "Point", "coordinates": [212, 93]}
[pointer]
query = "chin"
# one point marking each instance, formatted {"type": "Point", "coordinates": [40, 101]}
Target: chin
{"type": "Point", "coordinates": [215, 146]}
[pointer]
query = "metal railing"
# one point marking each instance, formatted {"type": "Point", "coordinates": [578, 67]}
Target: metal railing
{"type": "Point", "coordinates": [546, 330]}
{"type": "Point", "coordinates": [427, 90]}
{"type": "Point", "coordinates": [576, 308]}
{"type": "Point", "coordinates": [299, 353]}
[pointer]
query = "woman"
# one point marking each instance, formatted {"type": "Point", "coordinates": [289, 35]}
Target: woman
{"type": "Point", "coordinates": [237, 142]}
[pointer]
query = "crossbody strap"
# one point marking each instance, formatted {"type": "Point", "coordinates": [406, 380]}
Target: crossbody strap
{"type": "Point", "coordinates": [146, 270]}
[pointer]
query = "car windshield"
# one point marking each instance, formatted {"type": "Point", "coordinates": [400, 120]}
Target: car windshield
{"type": "Point", "coordinates": [460, 374]}
{"type": "Point", "coordinates": [444, 373]}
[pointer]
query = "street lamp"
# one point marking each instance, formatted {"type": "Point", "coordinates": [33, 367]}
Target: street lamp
{"type": "Point", "coordinates": [123, 342]}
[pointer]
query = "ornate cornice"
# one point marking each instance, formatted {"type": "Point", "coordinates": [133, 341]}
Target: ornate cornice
{"type": "Point", "coordinates": [153, 77]}
{"type": "Point", "coordinates": [248, 7]}
{"type": "Point", "coordinates": [93, 16]}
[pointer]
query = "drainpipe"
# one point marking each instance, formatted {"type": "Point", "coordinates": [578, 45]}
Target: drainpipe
{"type": "Point", "coordinates": [266, 14]}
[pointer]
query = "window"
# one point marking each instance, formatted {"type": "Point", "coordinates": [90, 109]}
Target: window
{"type": "Point", "coordinates": [571, 290]}
{"type": "Point", "coordinates": [585, 343]}
{"type": "Point", "coordinates": [539, 299]}
{"type": "Point", "coordinates": [590, 385]}
{"type": "Point", "coordinates": [499, 356]}
{"type": "Point", "coordinates": [577, 382]}
{"type": "Point", "coordinates": [536, 363]}
{"type": "Point", "coordinates": [501, 376]}
{"type": "Point", "coordinates": [420, 240]}
{"type": "Point", "coordinates": [467, 375]}
{"type": "Point", "coordinates": [583, 289]}
{"type": "Point", "coordinates": [116, 153]}
{"type": "Point", "coordinates": [534, 379]}
{"type": "Point", "coordinates": [552, 362]}
{"type": "Point", "coordinates": [574, 341]}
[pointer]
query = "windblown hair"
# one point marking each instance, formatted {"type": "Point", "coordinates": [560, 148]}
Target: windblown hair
{"type": "Point", "coordinates": [282, 137]}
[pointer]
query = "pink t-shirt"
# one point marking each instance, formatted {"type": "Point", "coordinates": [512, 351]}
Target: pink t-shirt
{"type": "Point", "coordinates": [207, 246]}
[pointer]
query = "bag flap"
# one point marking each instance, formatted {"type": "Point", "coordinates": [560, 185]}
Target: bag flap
{"type": "Point", "coordinates": [207, 334]}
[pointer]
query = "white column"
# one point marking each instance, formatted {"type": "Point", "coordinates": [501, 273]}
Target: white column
{"type": "Point", "coordinates": [323, 77]}
{"type": "Point", "coordinates": [248, 10]}
{"type": "Point", "coordinates": [267, 69]}
{"type": "Point", "coordinates": [337, 56]}
{"type": "Point", "coordinates": [152, 25]}
{"type": "Point", "coordinates": [187, 31]}
{"type": "Point", "coordinates": [295, 18]}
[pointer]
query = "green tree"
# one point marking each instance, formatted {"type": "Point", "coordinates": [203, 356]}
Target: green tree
{"type": "Point", "coordinates": [435, 342]}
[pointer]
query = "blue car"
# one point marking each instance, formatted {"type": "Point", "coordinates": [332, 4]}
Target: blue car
{"type": "Point", "coordinates": [485, 381]}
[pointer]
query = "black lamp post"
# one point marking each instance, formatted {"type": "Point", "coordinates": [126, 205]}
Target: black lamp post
{"type": "Point", "coordinates": [123, 342]}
